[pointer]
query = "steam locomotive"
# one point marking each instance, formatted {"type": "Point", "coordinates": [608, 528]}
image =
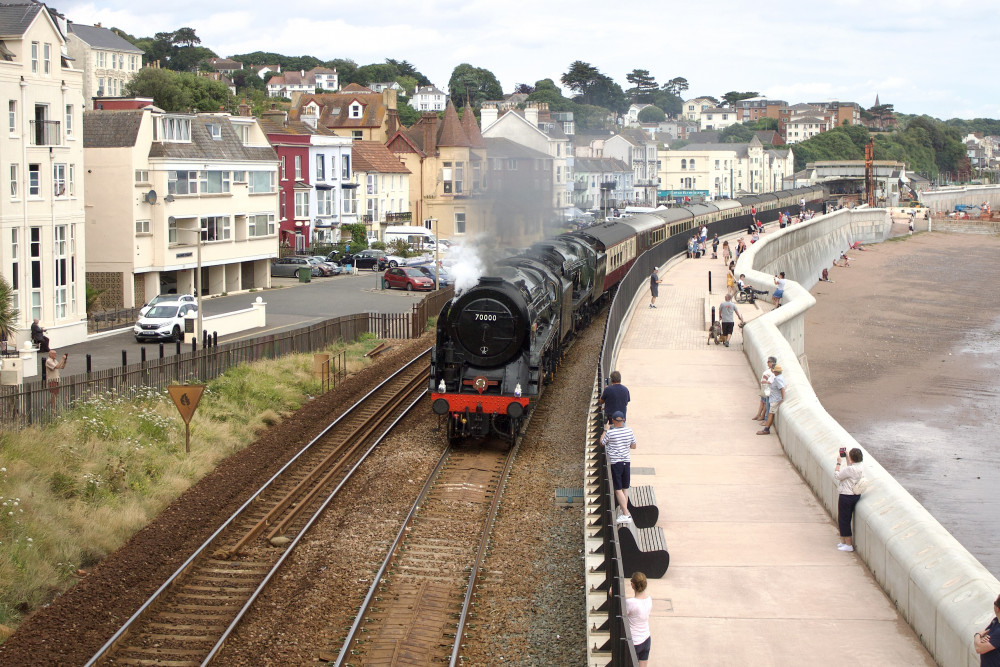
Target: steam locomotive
{"type": "Point", "coordinates": [499, 343]}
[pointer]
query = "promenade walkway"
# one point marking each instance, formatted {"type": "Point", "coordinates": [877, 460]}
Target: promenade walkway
{"type": "Point", "coordinates": [755, 577]}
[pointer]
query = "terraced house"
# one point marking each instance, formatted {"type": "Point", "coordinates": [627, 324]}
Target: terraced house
{"type": "Point", "coordinates": [167, 192]}
{"type": "Point", "coordinates": [108, 61]}
{"type": "Point", "coordinates": [42, 250]}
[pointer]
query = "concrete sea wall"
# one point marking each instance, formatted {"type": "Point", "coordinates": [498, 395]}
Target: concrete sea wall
{"type": "Point", "coordinates": [942, 591]}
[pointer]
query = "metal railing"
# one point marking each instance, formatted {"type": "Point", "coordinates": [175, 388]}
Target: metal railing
{"type": "Point", "coordinates": [45, 133]}
{"type": "Point", "coordinates": [35, 402]}
{"type": "Point", "coordinates": [106, 320]}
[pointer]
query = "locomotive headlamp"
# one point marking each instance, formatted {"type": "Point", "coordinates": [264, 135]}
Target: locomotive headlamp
{"type": "Point", "coordinates": [515, 410]}
{"type": "Point", "coordinates": [440, 406]}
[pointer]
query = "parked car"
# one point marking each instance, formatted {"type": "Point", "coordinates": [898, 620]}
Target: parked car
{"type": "Point", "coordinates": [160, 298]}
{"type": "Point", "coordinates": [288, 267]}
{"type": "Point", "coordinates": [326, 268]}
{"type": "Point", "coordinates": [376, 260]}
{"type": "Point", "coordinates": [406, 277]}
{"type": "Point", "coordinates": [164, 321]}
{"type": "Point", "coordinates": [445, 279]}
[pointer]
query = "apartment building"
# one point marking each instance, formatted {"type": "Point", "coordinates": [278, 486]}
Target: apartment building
{"type": "Point", "coordinates": [383, 187]}
{"type": "Point", "coordinates": [108, 61]}
{"type": "Point", "coordinates": [42, 248]}
{"type": "Point", "coordinates": [317, 193]}
{"type": "Point", "coordinates": [428, 98]}
{"type": "Point", "coordinates": [724, 170]}
{"type": "Point", "coordinates": [521, 189]}
{"type": "Point", "coordinates": [602, 184]}
{"type": "Point", "coordinates": [167, 192]}
{"type": "Point", "coordinates": [637, 149]}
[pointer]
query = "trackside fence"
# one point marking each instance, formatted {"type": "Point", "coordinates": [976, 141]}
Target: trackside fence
{"type": "Point", "coordinates": [35, 402]}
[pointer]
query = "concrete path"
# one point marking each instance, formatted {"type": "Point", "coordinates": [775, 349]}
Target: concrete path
{"type": "Point", "coordinates": [755, 577]}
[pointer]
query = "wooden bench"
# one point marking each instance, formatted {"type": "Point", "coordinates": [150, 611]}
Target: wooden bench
{"type": "Point", "coordinates": [643, 550]}
{"type": "Point", "coordinates": [642, 506]}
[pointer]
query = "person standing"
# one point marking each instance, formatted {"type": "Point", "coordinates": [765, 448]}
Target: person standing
{"type": "Point", "coordinates": [617, 441]}
{"type": "Point", "coordinates": [775, 398]}
{"type": "Point", "coordinates": [726, 255]}
{"type": "Point", "coordinates": [848, 496]}
{"type": "Point", "coordinates": [715, 247]}
{"type": "Point", "coordinates": [654, 288]}
{"type": "Point", "coordinates": [766, 378]}
{"type": "Point", "coordinates": [615, 397]}
{"type": "Point", "coordinates": [637, 610]}
{"type": "Point", "coordinates": [987, 642]}
{"type": "Point", "coordinates": [727, 311]}
{"type": "Point", "coordinates": [52, 367]}
{"type": "Point", "coordinates": [779, 290]}
{"type": "Point", "coordinates": [704, 234]}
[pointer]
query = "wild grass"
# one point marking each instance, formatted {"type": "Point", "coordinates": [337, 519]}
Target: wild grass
{"type": "Point", "coordinates": [75, 490]}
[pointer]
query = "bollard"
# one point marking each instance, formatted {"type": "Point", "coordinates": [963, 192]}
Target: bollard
{"type": "Point", "coordinates": [215, 339]}
{"type": "Point", "coordinates": [204, 338]}
{"type": "Point", "coordinates": [194, 344]}
{"type": "Point", "coordinates": [161, 350]}
{"type": "Point", "coordinates": [713, 314]}
{"type": "Point", "coordinates": [709, 282]}
{"type": "Point", "coordinates": [142, 354]}
{"type": "Point", "coordinates": [124, 358]}
{"type": "Point", "coordinates": [88, 363]}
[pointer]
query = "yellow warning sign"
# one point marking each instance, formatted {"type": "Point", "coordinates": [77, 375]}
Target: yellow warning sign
{"type": "Point", "coordinates": [186, 397]}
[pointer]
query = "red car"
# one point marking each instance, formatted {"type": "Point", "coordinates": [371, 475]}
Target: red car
{"type": "Point", "coordinates": [406, 277]}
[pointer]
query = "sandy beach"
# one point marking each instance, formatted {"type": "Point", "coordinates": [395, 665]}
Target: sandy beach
{"type": "Point", "coordinates": [903, 349]}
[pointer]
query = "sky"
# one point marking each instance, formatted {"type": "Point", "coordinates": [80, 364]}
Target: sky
{"type": "Point", "coordinates": [922, 57]}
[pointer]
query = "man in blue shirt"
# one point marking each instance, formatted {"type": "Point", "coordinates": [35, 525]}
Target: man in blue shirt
{"type": "Point", "coordinates": [615, 397]}
{"type": "Point", "coordinates": [987, 642]}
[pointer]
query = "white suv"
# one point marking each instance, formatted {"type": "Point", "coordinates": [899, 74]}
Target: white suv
{"type": "Point", "coordinates": [162, 298]}
{"type": "Point", "coordinates": [164, 321]}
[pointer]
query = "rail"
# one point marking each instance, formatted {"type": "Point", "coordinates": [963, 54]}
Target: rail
{"type": "Point", "coordinates": [143, 612]}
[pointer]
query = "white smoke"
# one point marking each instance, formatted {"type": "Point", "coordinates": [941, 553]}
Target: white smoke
{"type": "Point", "coordinates": [466, 265]}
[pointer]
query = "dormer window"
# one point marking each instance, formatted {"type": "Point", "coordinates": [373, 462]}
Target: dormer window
{"type": "Point", "coordinates": [214, 129]}
{"type": "Point", "coordinates": [172, 128]}
{"type": "Point", "coordinates": [356, 110]}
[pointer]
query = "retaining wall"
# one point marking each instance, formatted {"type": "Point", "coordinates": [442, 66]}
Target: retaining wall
{"type": "Point", "coordinates": [944, 199]}
{"type": "Point", "coordinates": [942, 591]}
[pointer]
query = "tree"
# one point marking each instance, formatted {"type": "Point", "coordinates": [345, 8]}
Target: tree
{"type": "Point", "coordinates": [407, 114]}
{"type": "Point", "coordinates": [643, 85]}
{"type": "Point", "coordinates": [185, 37]}
{"type": "Point", "coordinates": [8, 311]}
{"type": "Point", "coordinates": [652, 114]}
{"type": "Point", "coordinates": [524, 88]}
{"type": "Point", "coordinates": [676, 86]}
{"type": "Point", "coordinates": [671, 104]}
{"type": "Point", "coordinates": [732, 97]}
{"type": "Point", "coordinates": [179, 91]}
{"type": "Point", "coordinates": [473, 84]}
{"type": "Point", "coordinates": [737, 133]}
{"type": "Point", "coordinates": [580, 78]}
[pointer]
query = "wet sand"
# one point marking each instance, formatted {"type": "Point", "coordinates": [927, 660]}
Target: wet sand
{"type": "Point", "coordinates": [904, 351]}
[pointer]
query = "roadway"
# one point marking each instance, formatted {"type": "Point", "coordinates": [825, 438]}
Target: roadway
{"type": "Point", "coordinates": [290, 304]}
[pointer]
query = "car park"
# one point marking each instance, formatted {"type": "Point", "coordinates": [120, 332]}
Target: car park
{"type": "Point", "coordinates": [288, 267]}
{"type": "Point", "coordinates": [445, 279]}
{"type": "Point", "coordinates": [406, 277]}
{"type": "Point", "coordinates": [164, 321]}
{"type": "Point", "coordinates": [161, 298]}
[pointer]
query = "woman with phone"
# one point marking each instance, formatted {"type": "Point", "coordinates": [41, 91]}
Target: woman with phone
{"type": "Point", "coordinates": [847, 479]}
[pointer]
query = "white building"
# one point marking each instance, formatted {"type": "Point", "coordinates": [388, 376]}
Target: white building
{"type": "Point", "coordinates": [800, 128]}
{"type": "Point", "coordinates": [428, 98]}
{"type": "Point", "coordinates": [692, 108]}
{"type": "Point", "coordinates": [724, 170]}
{"type": "Point", "coordinates": [159, 185]}
{"type": "Point", "coordinates": [42, 251]}
{"type": "Point", "coordinates": [383, 187]}
{"type": "Point", "coordinates": [637, 150]}
{"type": "Point", "coordinates": [718, 118]}
{"type": "Point", "coordinates": [108, 61]}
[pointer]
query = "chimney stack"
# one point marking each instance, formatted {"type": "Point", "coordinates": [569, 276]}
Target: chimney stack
{"type": "Point", "coordinates": [487, 116]}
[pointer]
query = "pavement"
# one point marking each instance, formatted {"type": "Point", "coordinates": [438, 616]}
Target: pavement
{"type": "Point", "coordinates": [755, 576]}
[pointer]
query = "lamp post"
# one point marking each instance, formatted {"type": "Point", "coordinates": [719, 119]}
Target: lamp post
{"type": "Point", "coordinates": [197, 277]}
{"type": "Point", "coordinates": [437, 251]}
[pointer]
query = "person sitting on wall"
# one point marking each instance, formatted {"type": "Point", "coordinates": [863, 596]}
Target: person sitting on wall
{"type": "Point", "coordinates": [38, 336]}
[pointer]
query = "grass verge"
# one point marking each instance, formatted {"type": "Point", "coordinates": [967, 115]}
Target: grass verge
{"type": "Point", "coordinates": [75, 490]}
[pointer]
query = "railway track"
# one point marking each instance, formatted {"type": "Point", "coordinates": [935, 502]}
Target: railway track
{"type": "Point", "coordinates": [417, 608]}
{"type": "Point", "coordinates": [188, 619]}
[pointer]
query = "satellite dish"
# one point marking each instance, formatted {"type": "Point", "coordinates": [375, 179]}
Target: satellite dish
{"type": "Point", "coordinates": [168, 198]}
{"type": "Point", "coordinates": [171, 220]}
{"type": "Point", "coordinates": [151, 197]}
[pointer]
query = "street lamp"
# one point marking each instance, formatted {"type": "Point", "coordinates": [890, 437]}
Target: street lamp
{"type": "Point", "coordinates": [437, 250]}
{"type": "Point", "coordinates": [197, 278]}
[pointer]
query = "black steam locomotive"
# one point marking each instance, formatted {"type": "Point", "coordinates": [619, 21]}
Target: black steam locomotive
{"type": "Point", "coordinates": [499, 342]}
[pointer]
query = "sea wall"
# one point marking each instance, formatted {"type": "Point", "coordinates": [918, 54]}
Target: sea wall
{"type": "Point", "coordinates": [941, 590]}
{"type": "Point", "coordinates": [944, 199]}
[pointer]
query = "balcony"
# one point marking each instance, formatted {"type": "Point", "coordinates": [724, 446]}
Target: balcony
{"type": "Point", "coordinates": [405, 216]}
{"type": "Point", "coordinates": [45, 133]}
{"type": "Point", "coordinates": [579, 185]}
{"type": "Point", "coordinates": [365, 219]}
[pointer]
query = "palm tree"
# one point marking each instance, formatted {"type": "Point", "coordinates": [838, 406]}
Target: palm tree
{"type": "Point", "coordinates": [8, 312]}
